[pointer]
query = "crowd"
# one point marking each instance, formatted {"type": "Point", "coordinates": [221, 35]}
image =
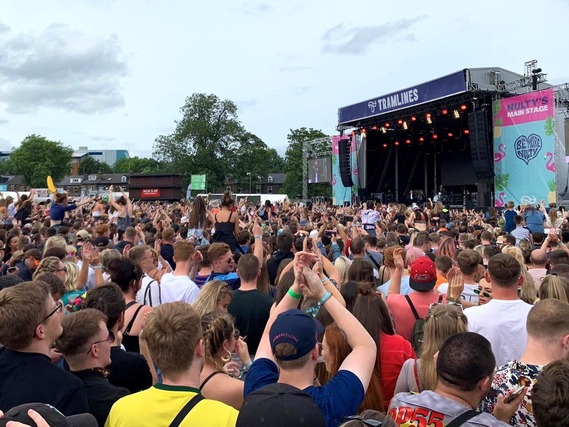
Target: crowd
{"type": "Point", "coordinates": [220, 313]}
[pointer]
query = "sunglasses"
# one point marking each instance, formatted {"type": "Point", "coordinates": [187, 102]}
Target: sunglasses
{"type": "Point", "coordinates": [236, 334]}
{"type": "Point", "coordinates": [110, 338]}
{"type": "Point", "coordinates": [484, 294]}
{"type": "Point", "coordinates": [367, 422]}
{"type": "Point", "coordinates": [440, 303]}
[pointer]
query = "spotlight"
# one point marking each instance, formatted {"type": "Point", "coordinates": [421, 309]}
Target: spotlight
{"type": "Point", "coordinates": [463, 107]}
{"type": "Point", "coordinates": [435, 136]}
{"type": "Point", "coordinates": [408, 141]}
{"type": "Point", "coordinates": [405, 126]}
{"type": "Point", "coordinates": [400, 121]}
{"type": "Point", "coordinates": [421, 139]}
{"type": "Point", "coordinates": [466, 131]}
{"type": "Point", "coordinates": [456, 114]}
{"type": "Point", "coordinates": [396, 142]}
{"type": "Point", "coordinates": [413, 118]}
{"type": "Point", "coordinates": [384, 145]}
{"type": "Point", "coordinates": [444, 111]}
{"type": "Point", "coordinates": [387, 125]}
{"type": "Point", "coordinates": [429, 120]}
{"type": "Point", "coordinates": [383, 130]}
{"type": "Point", "coordinates": [374, 127]}
{"type": "Point", "coordinates": [450, 134]}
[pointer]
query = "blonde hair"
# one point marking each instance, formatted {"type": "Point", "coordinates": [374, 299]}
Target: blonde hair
{"type": "Point", "coordinates": [48, 265]}
{"type": "Point", "coordinates": [528, 291]}
{"type": "Point", "coordinates": [343, 264]}
{"type": "Point", "coordinates": [72, 272]}
{"type": "Point", "coordinates": [516, 253]}
{"type": "Point", "coordinates": [210, 295]}
{"type": "Point", "coordinates": [442, 321]}
{"type": "Point", "coordinates": [55, 242]}
{"type": "Point", "coordinates": [554, 287]}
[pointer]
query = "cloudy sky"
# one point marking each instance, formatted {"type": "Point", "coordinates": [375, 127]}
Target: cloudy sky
{"type": "Point", "coordinates": [113, 73]}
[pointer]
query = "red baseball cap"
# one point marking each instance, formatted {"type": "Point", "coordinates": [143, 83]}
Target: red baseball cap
{"type": "Point", "coordinates": [423, 274]}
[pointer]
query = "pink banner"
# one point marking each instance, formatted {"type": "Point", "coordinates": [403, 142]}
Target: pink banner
{"type": "Point", "coordinates": [531, 107]}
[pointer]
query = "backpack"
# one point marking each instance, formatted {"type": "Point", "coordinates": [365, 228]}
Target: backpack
{"type": "Point", "coordinates": [417, 333]}
{"type": "Point", "coordinates": [147, 300]}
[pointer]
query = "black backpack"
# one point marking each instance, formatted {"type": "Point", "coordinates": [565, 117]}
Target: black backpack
{"type": "Point", "coordinates": [417, 333]}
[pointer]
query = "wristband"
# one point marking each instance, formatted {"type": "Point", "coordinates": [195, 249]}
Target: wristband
{"type": "Point", "coordinates": [258, 237]}
{"type": "Point", "coordinates": [293, 294]}
{"type": "Point", "coordinates": [97, 267]}
{"type": "Point", "coordinates": [325, 279]}
{"type": "Point", "coordinates": [313, 311]}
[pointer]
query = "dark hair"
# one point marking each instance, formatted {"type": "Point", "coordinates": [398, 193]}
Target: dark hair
{"type": "Point", "coordinates": [248, 267]}
{"type": "Point", "coordinates": [227, 200]}
{"type": "Point", "coordinates": [109, 299]}
{"type": "Point", "coordinates": [55, 251]}
{"type": "Point", "coordinates": [357, 246]}
{"type": "Point", "coordinates": [466, 349]}
{"type": "Point", "coordinates": [285, 241]}
{"type": "Point", "coordinates": [124, 272]}
{"type": "Point", "coordinates": [361, 271]}
{"type": "Point", "coordinates": [350, 290]}
{"type": "Point", "coordinates": [504, 270]}
{"type": "Point", "coordinates": [56, 286]}
{"type": "Point", "coordinates": [550, 394]}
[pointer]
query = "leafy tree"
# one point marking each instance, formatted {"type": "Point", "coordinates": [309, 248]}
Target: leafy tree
{"type": "Point", "coordinates": [38, 157]}
{"type": "Point", "coordinates": [90, 165]}
{"type": "Point", "coordinates": [293, 163]}
{"type": "Point", "coordinates": [138, 165]}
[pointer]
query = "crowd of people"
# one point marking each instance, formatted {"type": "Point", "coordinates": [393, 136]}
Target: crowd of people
{"type": "Point", "coordinates": [122, 313]}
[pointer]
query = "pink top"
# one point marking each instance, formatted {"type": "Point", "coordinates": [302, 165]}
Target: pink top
{"type": "Point", "coordinates": [401, 312]}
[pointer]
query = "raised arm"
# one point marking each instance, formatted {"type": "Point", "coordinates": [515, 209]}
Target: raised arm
{"type": "Point", "coordinates": [395, 285]}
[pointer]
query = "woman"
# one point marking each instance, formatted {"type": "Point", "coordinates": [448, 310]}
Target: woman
{"type": "Point", "coordinates": [393, 349]}
{"type": "Point", "coordinates": [220, 339]}
{"type": "Point", "coordinates": [214, 296]}
{"type": "Point", "coordinates": [554, 287]}
{"type": "Point", "coordinates": [197, 222]}
{"type": "Point", "coordinates": [123, 207]}
{"type": "Point", "coordinates": [484, 292]}
{"type": "Point", "coordinates": [98, 210]}
{"type": "Point", "coordinates": [71, 291]}
{"type": "Point", "coordinates": [10, 211]}
{"type": "Point", "coordinates": [60, 206]}
{"type": "Point", "coordinates": [24, 208]}
{"type": "Point", "coordinates": [226, 223]}
{"type": "Point", "coordinates": [53, 265]}
{"type": "Point", "coordinates": [128, 276]}
{"type": "Point", "coordinates": [442, 321]}
{"type": "Point", "coordinates": [335, 349]}
{"type": "Point", "coordinates": [12, 241]}
{"type": "Point", "coordinates": [401, 215]}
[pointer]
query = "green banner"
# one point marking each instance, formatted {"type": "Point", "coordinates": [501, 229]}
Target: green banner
{"type": "Point", "coordinates": [198, 182]}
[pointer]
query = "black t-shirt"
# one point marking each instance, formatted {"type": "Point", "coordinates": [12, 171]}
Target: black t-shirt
{"type": "Point", "coordinates": [251, 310]}
{"type": "Point", "coordinates": [167, 252]}
{"type": "Point", "coordinates": [31, 377]}
{"type": "Point", "coordinates": [274, 262]}
{"type": "Point", "coordinates": [129, 370]}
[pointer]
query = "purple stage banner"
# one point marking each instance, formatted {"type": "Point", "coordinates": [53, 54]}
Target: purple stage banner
{"type": "Point", "coordinates": [420, 94]}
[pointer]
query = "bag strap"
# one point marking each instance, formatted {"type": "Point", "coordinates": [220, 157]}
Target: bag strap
{"type": "Point", "coordinates": [186, 410]}
{"type": "Point", "coordinates": [412, 307]}
{"type": "Point", "coordinates": [372, 260]}
{"type": "Point", "coordinates": [148, 294]}
{"type": "Point", "coordinates": [131, 323]}
{"type": "Point", "coordinates": [462, 418]}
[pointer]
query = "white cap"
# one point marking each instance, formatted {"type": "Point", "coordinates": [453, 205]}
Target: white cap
{"type": "Point", "coordinates": [313, 234]}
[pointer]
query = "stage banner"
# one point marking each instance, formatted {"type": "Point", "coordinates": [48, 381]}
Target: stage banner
{"type": "Point", "coordinates": [340, 194]}
{"type": "Point", "coordinates": [524, 147]}
{"type": "Point", "coordinates": [197, 182]}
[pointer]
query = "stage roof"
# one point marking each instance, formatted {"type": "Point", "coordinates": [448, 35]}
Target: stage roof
{"type": "Point", "coordinates": [485, 79]}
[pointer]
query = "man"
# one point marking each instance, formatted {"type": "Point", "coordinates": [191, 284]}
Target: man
{"type": "Point", "coordinates": [285, 241]}
{"type": "Point", "coordinates": [28, 265]}
{"type": "Point", "coordinates": [423, 242]}
{"type": "Point", "coordinates": [177, 285]}
{"type": "Point", "coordinates": [357, 247]}
{"type": "Point", "coordinates": [289, 351]}
{"type": "Point", "coordinates": [127, 369]}
{"type": "Point", "coordinates": [372, 253]}
{"type": "Point", "coordinates": [175, 341]}
{"type": "Point", "coordinates": [422, 279]}
{"type": "Point", "coordinates": [465, 367]}
{"type": "Point", "coordinates": [550, 395]}
{"type": "Point", "coordinates": [486, 238]}
{"type": "Point", "coordinates": [538, 267]}
{"type": "Point", "coordinates": [548, 340]}
{"type": "Point", "coordinates": [150, 292]}
{"type": "Point", "coordinates": [222, 264]}
{"type": "Point", "coordinates": [521, 232]}
{"type": "Point", "coordinates": [130, 237]}
{"type": "Point", "coordinates": [167, 247]}
{"type": "Point", "coordinates": [86, 345]}
{"type": "Point", "coordinates": [249, 306]}
{"type": "Point", "coordinates": [468, 261]}
{"type": "Point", "coordinates": [29, 326]}
{"type": "Point", "coordinates": [502, 320]}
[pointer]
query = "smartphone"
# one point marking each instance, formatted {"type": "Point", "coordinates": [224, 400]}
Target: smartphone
{"type": "Point", "coordinates": [330, 233]}
{"type": "Point", "coordinates": [11, 269]}
{"type": "Point", "coordinates": [515, 393]}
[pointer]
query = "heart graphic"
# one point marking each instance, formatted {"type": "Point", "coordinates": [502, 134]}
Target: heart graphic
{"type": "Point", "coordinates": [528, 147]}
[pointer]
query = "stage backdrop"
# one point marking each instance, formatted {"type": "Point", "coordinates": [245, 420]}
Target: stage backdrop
{"type": "Point", "coordinates": [340, 193]}
{"type": "Point", "coordinates": [524, 154]}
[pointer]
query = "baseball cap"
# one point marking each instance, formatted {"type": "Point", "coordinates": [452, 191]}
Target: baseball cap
{"type": "Point", "coordinates": [414, 206]}
{"type": "Point", "coordinates": [296, 328]}
{"type": "Point", "coordinates": [101, 242]}
{"type": "Point", "coordinates": [279, 405]}
{"type": "Point", "coordinates": [303, 222]}
{"type": "Point", "coordinates": [83, 235]}
{"type": "Point", "coordinates": [53, 417]}
{"type": "Point", "coordinates": [423, 274]}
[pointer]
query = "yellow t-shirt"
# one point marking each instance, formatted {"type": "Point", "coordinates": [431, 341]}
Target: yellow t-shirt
{"type": "Point", "coordinates": [159, 405]}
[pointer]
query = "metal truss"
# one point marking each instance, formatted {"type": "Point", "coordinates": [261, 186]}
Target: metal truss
{"type": "Point", "coordinates": [307, 153]}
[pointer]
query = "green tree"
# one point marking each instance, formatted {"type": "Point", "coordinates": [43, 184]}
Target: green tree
{"type": "Point", "coordinates": [203, 139]}
{"type": "Point", "coordinates": [138, 165]}
{"type": "Point", "coordinates": [293, 162]}
{"type": "Point", "coordinates": [90, 165]}
{"type": "Point", "coordinates": [38, 157]}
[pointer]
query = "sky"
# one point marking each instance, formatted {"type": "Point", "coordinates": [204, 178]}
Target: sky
{"type": "Point", "coordinates": [113, 74]}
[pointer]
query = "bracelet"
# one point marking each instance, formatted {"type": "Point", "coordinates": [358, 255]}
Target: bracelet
{"type": "Point", "coordinates": [313, 311]}
{"type": "Point", "coordinates": [258, 237]}
{"type": "Point", "coordinates": [97, 267]}
{"type": "Point", "coordinates": [325, 279]}
{"type": "Point", "coordinates": [453, 300]}
{"type": "Point", "coordinates": [293, 294]}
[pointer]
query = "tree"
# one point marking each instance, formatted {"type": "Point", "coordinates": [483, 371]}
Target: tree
{"type": "Point", "coordinates": [139, 165]}
{"type": "Point", "coordinates": [38, 157]}
{"type": "Point", "coordinates": [293, 163]}
{"type": "Point", "coordinates": [90, 165]}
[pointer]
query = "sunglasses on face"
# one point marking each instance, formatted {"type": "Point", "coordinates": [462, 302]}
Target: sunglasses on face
{"type": "Point", "coordinates": [484, 294]}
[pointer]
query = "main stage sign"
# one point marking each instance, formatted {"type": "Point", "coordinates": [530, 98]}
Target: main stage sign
{"type": "Point", "coordinates": [420, 94]}
{"type": "Point", "coordinates": [524, 148]}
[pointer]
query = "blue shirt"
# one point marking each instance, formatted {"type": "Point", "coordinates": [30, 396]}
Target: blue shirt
{"type": "Point", "coordinates": [534, 220]}
{"type": "Point", "coordinates": [338, 398]}
{"type": "Point", "coordinates": [57, 211]}
{"type": "Point", "coordinates": [405, 288]}
{"type": "Point", "coordinates": [232, 279]}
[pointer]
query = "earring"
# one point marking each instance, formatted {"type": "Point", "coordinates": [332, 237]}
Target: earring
{"type": "Point", "coordinates": [226, 358]}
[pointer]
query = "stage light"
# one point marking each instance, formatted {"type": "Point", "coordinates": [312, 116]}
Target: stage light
{"type": "Point", "coordinates": [444, 111]}
{"type": "Point", "coordinates": [374, 127]}
{"type": "Point", "coordinates": [383, 130]}
{"type": "Point", "coordinates": [463, 107]}
{"type": "Point", "coordinates": [413, 118]}
{"type": "Point", "coordinates": [387, 125]}
{"type": "Point", "coordinates": [421, 139]}
{"type": "Point", "coordinates": [384, 145]}
{"type": "Point", "coordinates": [396, 142]}
{"type": "Point", "coordinates": [405, 126]}
{"type": "Point", "coordinates": [456, 114]}
{"type": "Point", "coordinates": [400, 121]}
{"type": "Point", "coordinates": [466, 131]}
{"type": "Point", "coordinates": [408, 141]}
{"type": "Point", "coordinates": [429, 120]}
{"type": "Point", "coordinates": [435, 136]}
{"type": "Point", "coordinates": [450, 134]}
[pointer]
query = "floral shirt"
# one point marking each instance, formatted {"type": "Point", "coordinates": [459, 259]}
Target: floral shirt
{"type": "Point", "coordinates": [510, 376]}
{"type": "Point", "coordinates": [370, 216]}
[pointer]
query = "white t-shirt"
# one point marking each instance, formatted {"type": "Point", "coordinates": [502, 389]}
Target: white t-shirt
{"type": "Point", "coordinates": [178, 288]}
{"type": "Point", "coordinates": [467, 294]}
{"type": "Point", "coordinates": [503, 323]}
{"type": "Point", "coordinates": [154, 294]}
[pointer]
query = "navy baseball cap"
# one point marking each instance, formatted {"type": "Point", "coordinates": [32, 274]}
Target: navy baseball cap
{"type": "Point", "coordinates": [296, 328]}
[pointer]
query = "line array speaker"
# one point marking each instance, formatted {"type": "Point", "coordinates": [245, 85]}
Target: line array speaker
{"type": "Point", "coordinates": [344, 146]}
{"type": "Point", "coordinates": [480, 142]}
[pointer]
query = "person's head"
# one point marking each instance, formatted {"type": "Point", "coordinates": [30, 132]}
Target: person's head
{"type": "Point", "coordinates": [183, 251]}
{"type": "Point", "coordinates": [221, 257]}
{"type": "Point", "coordinates": [486, 237]}
{"type": "Point", "coordinates": [86, 342]}
{"type": "Point", "coordinates": [468, 261]}
{"type": "Point", "coordinates": [214, 296]}
{"type": "Point", "coordinates": [558, 257]}
{"type": "Point", "coordinates": [168, 235]}
{"type": "Point", "coordinates": [227, 200]}
{"type": "Point", "coordinates": [357, 246]}
{"type": "Point", "coordinates": [32, 258]}
{"type": "Point", "coordinates": [516, 252]}
{"type": "Point", "coordinates": [126, 274]}
{"type": "Point", "coordinates": [61, 198]}
{"type": "Point", "coordinates": [248, 268]}
{"type": "Point", "coordinates": [448, 247]}
{"type": "Point", "coordinates": [504, 271]}
{"type": "Point", "coordinates": [550, 394]}
{"type": "Point", "coordinates": [370, 241]}
{"type": "Point", "coordinates": [335, 348]}
{"type": "Point", "coordinates": [56, 286]}
{"type": "Point", "coordinates": [372, 312]}
{"type": "Point", "coordinates": [343, 264]}
{"type": "Point", "coordinates": [510, 204]}
{"type": "Point", "coordinates": [173, 333]}
{"type": "Point", "coordinates": [443, 264]}
{"type": "Point", "coordinates": [28, 313]}
{"type": "Point", "coordinates": [484, 291]}
{"type": "Point", "coordinates": [548, 323]}
{"type": "Point", "coordinates": [518, 220]}
{"type": "Point", "coordinates": [293, 339]}
{"type": "Point", "coordinates": [285, 241]}
{"type": "Point", "coordinates": [388, 256]}
{"type": "Point", "coordinates": [422, 241]}
{"type": "Point", "coordinates": [554, 286]}
{"type": "Point", "coordinates": [361, 270]}
{"type": "Point", "coordinates": [422, 275]}
{"type": "Point", "coordinates": [369, 417]}
{"type": "Point", "coordinates": [219, 337]}
{"type": "Point", "coordinates": [130, 235]}
{"type": "Point", "coordinates": [53, 265]}
{"type": "Point", "coordinates": [350, 291]}
{"type": "Point", "coordinates": [109, 299]}
{"type": "Point", "coordinates": [71, 275]}
{"type": "Point", "coordinates": [54, 241]}
{"type": "Point", "coordinates": [466, 364]}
